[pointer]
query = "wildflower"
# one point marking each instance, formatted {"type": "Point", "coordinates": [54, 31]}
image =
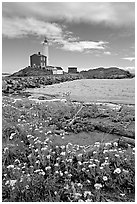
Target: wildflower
{"type": "Point", "coordinates": [117, 155]}
{"type": "Point", "coordinates": [42, 173]}
{"type": "Point", "coordinates": [107, 144]}
{"type": "Point", "coordinates": [101, 167]}
{"type": "Point", "coordinates": [79, 162]}
{"type": "Point", "coordinates": [7, 182]}
{"type": "Point", "coordinates": [105, 151]}
{"type": "Point", "coordinates": [98, 186]}
{"type": "Point", "coordinates": [89, 200]}
{"type": "Point", "coordinates": [79, 155]}
{"type": "Point", "coordinates": [80, 200]}
{"type": "Point", "coordinates": [56, 172]}
{"type": "Point", "coordinates": [115, 144]}
{"type": "Point", "coordinates": [11, 136]}
{"type": "Point", "coordinates": [44, 149]}
{"type": "Point", "coordinates": [5, 149]}
{"type": "Point", "coordinates": [19, 120]}
{"type": "Point", "coordinates": [12, 182]}
{"type": "Point", "coordinates": [87, 193]}
{"type": "Point", "coordinates": [94, 152]}
{"type": "Point", "coordinates": [66, 172]}
{"type": "Point", "coordinates": [92, 165]}
{"type": "Point", "coordinates": [47, 140]}
{"type": "Point", "coordinates": [63, 153]}
{"type": "Point", "coordinates": [83, 169]}
{"type": "Point", "coordinates": [77, 195]}
{"type": "Point", "coordinates": [62, 147]}
{"type": "Point", "coordinates": [36, 150]}
{"type": "Point", "coordinates": [125, 171]}
{"type": "Point", "coordinates": [56, 164]}
{"type": "Point", "coordinates": [66, 187]}
{"type": "Point", "coordinates": [105, 178]}
{"type": "Point", "coordinates": [63, 138]}
{"type": "Point", "coordinates": [48, 156]}
{"type": "Point", "coordinates": [61, 174]}
{"type": "Point", "coordinates": [47, 168]}
{"type": "Point", "coordinates": [122, 194]}
{"type": "Point", "coordinates": [118, 171]}
{"type": "Point", "coordinates": [27, 186]}
{"type": "Point", "coordinates": [69, 175]}
{"type": "Point", "coordinates": [10, 167]}
{"type": "Point", "coordinates": [79, 185]}
{"type": "Point", "coordinates": [37, 162]}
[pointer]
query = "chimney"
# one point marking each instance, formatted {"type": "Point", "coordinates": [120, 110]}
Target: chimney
{"type": "Point", "coordinates": [38, 53]}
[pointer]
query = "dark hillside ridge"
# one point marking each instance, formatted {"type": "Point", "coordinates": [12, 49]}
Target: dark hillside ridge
{"type": "Point", "coordinates": [98, 73]}
{"type": "Point", "coordinates": [106, 73]}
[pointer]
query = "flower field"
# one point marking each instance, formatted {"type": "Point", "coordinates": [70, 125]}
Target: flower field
{"type": "Point", "coordinates": [36, 168]}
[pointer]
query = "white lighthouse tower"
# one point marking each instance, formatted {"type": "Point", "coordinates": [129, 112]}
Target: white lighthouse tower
{"type": "Point", "coordinates": [45, 50]}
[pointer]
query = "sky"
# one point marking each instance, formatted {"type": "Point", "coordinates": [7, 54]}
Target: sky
{"type": "Point", "coordinates": [82, 34]}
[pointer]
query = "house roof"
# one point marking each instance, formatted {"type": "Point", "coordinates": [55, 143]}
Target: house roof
{"type": "Point", "coordinates": [40, 55]}
{"type": "Point", "coordinates": [59, 68]}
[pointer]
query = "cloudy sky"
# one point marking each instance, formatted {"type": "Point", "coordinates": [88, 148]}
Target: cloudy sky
{"type": "Point", "coordinates": [86, 35]}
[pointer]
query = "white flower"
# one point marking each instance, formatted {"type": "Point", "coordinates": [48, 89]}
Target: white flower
{"type": "Point", "coordinates": [92, 165]}
{"type": "Point", "coordinates": [77, 195]}
{"type": "Point", "coordinates": [105, 150]}
{"type": "Point", "coordinates": [83, 169]}
{"type": "Point", "coordinates": [10, 166]}
{"type": "Point", "coordinates": [101, 167]}
{"type": "Point", "coordinates": [63, 153]}
{"type": "Point", "coordinates": [117, 155]}
{"type": "Point", "coordinates": [79, 185]}
{"type": "Point", "coordinates": [125, 171]}
{"type": "Point", "coordinates": [61, 174]}
{"type": "Point", "coordinates": [79, 162]}
{"type": "Point", "coordinates": [98, 185]}
{"type": "Point", "coordinates": [66, 172]}
{"type": "Point", "coordinates": [48, 156]}
{"type": "Point", "coordinates": [105, 178]}
{"type": "Point", "coordinates": [107, 144]}
{"type": "Point", "coordinates": [89, 200]}
{"type": "Point", "coordinates": [79, 155]}
{"type": "Point", "coordinates": [115, 144]}
{"type": "Point", "coordinates": [47, 168]}
{"type": "Point", "coordinates": [87, 193]}
{"type": "Point", "coordinates": [12, 182]}
{"type": "Point", "coordinates": [11, 136]}
{"type": "Point", "coordinates": [56, 172]}
{"type": "Point", "coordinates": [118, 171]}
{"type": "Point", "coordinates": [56, 164]}
{"type": "Point", "coordinates": [80, 200]}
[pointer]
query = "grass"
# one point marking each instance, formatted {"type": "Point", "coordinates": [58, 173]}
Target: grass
{"type": "Point", "coordinates": [38, 168]}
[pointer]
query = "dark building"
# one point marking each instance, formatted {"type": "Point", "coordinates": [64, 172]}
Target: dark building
{"type": "Point", "coordinates": [38, 60]}
{"type": "Point", "coordinates": [72, 70]}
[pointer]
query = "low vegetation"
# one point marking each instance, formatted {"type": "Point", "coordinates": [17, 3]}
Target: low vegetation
{"type": "Point", "coordinates": [36, 167]}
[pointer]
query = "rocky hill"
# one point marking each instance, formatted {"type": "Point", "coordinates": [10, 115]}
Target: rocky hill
{"type": "Point", "coordinates": [106, 73]}
{"type": "Point", "coordinates": [29, 71]}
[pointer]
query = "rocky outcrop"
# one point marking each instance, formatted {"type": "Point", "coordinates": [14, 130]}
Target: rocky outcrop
{"type": "Point", "coordinates": [106, 73]}
{"type": "Point", "coordinates": [17, 85]}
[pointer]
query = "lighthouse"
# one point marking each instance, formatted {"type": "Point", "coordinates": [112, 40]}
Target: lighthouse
{"type": "Point", "coordinates": [45, 50]}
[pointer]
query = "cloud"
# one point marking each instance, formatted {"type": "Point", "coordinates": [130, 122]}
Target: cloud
{"type": "Point", "coordinates": [107, 53]}
{"type": "Point", "coordinates": [108, 13]}
{"type": "Point", "coordinates": [20, 27]}
{"type": "Point", "coordinates": [129, 58]}
{"type": "Point", "coordinates": [84, 45]}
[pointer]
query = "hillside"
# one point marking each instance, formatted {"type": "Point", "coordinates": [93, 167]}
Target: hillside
{"type": "Point", "coordinates": [29, 71]}
{"type": "Point", "coordinates": [106, 73]}
{"type": "Point", "coordinates": [98, 73]}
